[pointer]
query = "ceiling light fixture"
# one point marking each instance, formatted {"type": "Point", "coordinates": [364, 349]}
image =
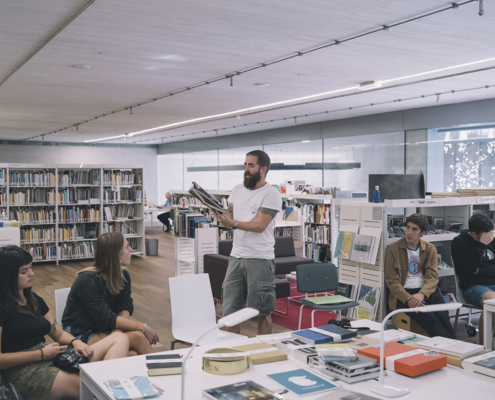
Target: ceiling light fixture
{"type": "Point", "coordinates": [262, 84]}
{"type": "Point", "coordinates": [305, 141]}
{"type": "Point", "coordinates": [370, 85]}
{"type": "Point", "coordinates": [245, 110]}
{"type": "Point", "coordinates": [81, 66]}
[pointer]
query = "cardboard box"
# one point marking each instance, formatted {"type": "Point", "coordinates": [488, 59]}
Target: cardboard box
{"type": "Point", "coordinates": [405, 322]}
{"type": "Point", "coordinates": [265, 357]}
{"type": "Point", "coordinates": [411, 364]}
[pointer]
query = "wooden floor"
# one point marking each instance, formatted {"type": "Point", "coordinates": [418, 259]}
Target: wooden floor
{"type": "Point", "coordinates": [149, 289]}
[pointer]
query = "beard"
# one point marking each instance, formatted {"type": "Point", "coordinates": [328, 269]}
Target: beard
{"type": "Point", "coordinates": [250, 181]}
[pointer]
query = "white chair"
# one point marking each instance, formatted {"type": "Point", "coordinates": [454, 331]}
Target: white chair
{"type": "Point", "coordinates": [60, 302]}
{"type": "Point", "coordinates": [471, 329]}
{"type": "Point", "coordinates": [193, 311]}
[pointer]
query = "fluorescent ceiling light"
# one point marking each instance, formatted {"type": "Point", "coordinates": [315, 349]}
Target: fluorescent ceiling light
{"type": "Point", "coordinates": [439, 70]}
{"type": "Point", "coordinates": [244, 110]}
{"type": "Point", "coordinates": [305, 141]}
{"type": "Point", "coordinates": [370, 85]}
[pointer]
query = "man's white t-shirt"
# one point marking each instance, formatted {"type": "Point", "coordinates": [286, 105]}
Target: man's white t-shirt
{"type": "Point", "coordinates": [414, 278]}
{"type": "Point", "coordinates": [247, 204]}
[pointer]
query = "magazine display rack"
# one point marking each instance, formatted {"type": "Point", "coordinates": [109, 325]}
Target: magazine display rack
{"type": "Point", "coordinates": [448, 210]}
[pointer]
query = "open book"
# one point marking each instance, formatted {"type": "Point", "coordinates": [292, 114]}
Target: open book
{"type": "Point", "coordinates": [207, 199]}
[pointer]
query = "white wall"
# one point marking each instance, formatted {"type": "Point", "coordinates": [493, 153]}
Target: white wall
{"type": "Point", "coordinates": [30, 154]}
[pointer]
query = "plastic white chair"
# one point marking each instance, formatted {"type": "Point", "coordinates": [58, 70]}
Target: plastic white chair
{"type": "Point", "coordinates": [60, 303]}
{"type": "Point", "coordinates": [193, 311]}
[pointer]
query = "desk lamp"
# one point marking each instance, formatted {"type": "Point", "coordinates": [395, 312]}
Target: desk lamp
{"type": "Point", "coordinates": [230, 320]}
{"type": "Point", "coordinates": [391, 390]}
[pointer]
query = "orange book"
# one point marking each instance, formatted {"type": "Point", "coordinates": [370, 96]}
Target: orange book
{"type": "Point", "coordinates": [400, 358]}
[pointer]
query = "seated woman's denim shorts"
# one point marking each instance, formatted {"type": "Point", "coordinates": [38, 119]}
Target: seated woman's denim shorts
{"type": "Point", "coordinates": [67, 329]}
{"type": "Point", "coordinates": [474, 294]}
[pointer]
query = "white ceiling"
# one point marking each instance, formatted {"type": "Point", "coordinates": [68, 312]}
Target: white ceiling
{"type": "Point", "coordinates": [140, 50]}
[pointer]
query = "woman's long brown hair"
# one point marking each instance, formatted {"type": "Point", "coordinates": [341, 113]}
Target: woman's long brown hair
{"type": "Point", "coordinates": [12, 258]}
{"type": "Point", "coordinates": [107, 261]}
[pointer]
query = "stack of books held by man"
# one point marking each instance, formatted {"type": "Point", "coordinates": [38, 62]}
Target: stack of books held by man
{"type": "Point", "coordinates": [340, 362]}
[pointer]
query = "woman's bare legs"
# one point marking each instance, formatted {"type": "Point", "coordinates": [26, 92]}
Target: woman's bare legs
{"type": "Point", "coordinates": [139, 343]}
{"type": "Point", "coordinates": [65, 386]}
{"type": "Point", "coordinates": [111, 347]}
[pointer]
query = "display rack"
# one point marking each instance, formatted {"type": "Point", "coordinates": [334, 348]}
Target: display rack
{"type": "Point", "coordinates": [452, 210]}
{"type": "Point", "coordinates": [60, 207]}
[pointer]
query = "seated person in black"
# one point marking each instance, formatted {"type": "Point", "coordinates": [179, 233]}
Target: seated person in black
{"type": "Point", "coordinates": [100, 300]}
{"type": "Point", "coordinates": [474, 262]}
{"type": "Point", "coordinates": [24, 322]}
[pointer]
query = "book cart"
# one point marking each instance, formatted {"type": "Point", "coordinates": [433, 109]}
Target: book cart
{"type": "Point", "coordinates": [450, 210]}
{"type": "Point", "coordinates": [60, 207]}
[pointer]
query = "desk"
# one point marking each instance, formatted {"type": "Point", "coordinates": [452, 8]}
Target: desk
{"type": "Point", "coordinates": [448, 383]}
{"type": "Point", "coordinates": [488, 309]}
{"type": "Point", "coordinates": [151, 210]}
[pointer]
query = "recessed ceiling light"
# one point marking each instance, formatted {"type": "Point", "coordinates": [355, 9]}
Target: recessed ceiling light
{"type": "Point", "coordinates": [262, 84]}
{"type": "Point", "coordinates": [305, 141]}
{"type": "Point", "coordinates": [81, 66]}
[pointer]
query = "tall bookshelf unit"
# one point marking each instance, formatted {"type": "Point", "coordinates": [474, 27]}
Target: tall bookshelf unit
{"type": "Point", "coordinates": [60, 208]}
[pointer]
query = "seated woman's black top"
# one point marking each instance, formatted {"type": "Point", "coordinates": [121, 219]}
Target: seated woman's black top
{"type": "Point", "coordinates": [22, 331]}
{"type": "Point", "coordinates": [90, 306]}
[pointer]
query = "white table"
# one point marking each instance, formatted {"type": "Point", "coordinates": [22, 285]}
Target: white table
{"type": "Point", "coordinates": [151, 210]}
{"type": "Point", "coordinates": [488, 309]}
{"type": "Point", "coordinates": [448, 383]}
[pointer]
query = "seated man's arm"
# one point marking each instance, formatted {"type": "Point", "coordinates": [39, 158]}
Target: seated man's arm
{"type": "Point", "coordinates": [468, 260]}
{"type": "Point", "coordinates": [430, 281]}
{"type": "Point", "coordinates": [392, 278]}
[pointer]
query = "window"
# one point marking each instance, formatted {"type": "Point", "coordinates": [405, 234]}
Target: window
{"type": "Point", "coordinates": [202, 168]}
{"type": "Point", "coordinates": [232, 158]}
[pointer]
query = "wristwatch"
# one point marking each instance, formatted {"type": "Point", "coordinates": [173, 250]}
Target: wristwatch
{"type": "Point", "coordinates": [234, 226]}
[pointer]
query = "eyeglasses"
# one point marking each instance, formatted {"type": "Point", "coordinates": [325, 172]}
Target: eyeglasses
{"type": "Point", "coordinates": [344, 323]}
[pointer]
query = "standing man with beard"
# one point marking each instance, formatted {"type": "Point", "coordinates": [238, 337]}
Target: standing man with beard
{"type": "Point", "coordinates": [250, 277]}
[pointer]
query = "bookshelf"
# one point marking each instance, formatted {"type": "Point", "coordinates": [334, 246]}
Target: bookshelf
{"type": "Point", "coordinates": [60, 208]}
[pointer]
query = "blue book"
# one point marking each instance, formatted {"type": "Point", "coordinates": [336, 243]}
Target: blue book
{"type": "Point", "coordinates": [302, 382]}
{"type": "Point", "coordinates": [312, 337]}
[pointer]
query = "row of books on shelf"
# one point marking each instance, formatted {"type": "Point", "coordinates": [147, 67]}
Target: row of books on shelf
{"type": "Point", "coordinates": [134, 194]}
{"type": "Point", "coordinates": [186, 223]}
{"type": "Point", "coordinates": [72, 195]}
{"type": "Point", "coordinates": [117, 177]}
{"type": "Point", "coordinates": [126, 228]}
{"type": "Point", "coordinates": [316, 213]}
{"type": "Point", "coordinates": [123, 211]}
{"type": "Point", "coordinates": [67, 251]}
{"type": "Point", "coordinates": [48, 234]}
{"type": "Point", "coordinates": [74, 177]}
{"type": "Point", "coordinates": [288, 214]}
{"type": "Point", "coordinates": [317, 234]}
{"type": "Point", "coordinates": [18, 197]}
{"type": "Point", "coordinates": [318, 252]}
{"type": "Point", "coordinates": [78, 232]}
{"type": "Point", "coordinates": [4, 198]}
{"type": "Point", "coordinates": [36, 216]}
{"type": "Point", "coordinates": [283, 231]}
{"type": "Point", "coordinates": [358, 247]}
{"type": "Point", "coordinates": [79, 214]}
{"type": "Point", "coordinates": [2, 177]}
{"type": "Point", "coordinates": [32, 178]}
{"type": "Point", "coordinates": [36, 235]}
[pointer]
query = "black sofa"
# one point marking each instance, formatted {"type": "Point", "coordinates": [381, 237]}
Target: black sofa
{"type": "Point", "coordinates": [285, 262]}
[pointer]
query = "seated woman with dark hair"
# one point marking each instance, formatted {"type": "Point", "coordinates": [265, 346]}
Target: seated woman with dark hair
{"type": "Point", "coordinates": [100, 300]}
{"type": "Point", "coordinates": [25, 320]}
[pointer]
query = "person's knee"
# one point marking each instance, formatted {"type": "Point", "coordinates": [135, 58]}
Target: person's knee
{"type": "Point", "coordinates": [136, 336]}
{"type": "Point", "coordinates": [120, 337]}
{"type": "Point", "coordinates": [487, 296]}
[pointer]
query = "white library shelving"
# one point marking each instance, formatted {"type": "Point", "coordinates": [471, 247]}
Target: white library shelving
{"type": "Point", "coordinates": [61, 207]}
{"type": "Point", "coordinates": [371, 215]}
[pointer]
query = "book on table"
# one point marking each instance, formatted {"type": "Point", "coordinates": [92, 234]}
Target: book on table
{"type": "Point", "coordinates": [482, 363]}
{"type": "Point", "coordinates": [166, 364]}
{"type": "Point", "coordinates": [451, 346]}
{"type": "Point", "coordinates": [206, 198]}
{"type": "Point", "coordinates": [335, 299]}
{"type": "Point", "coordinates": [248, 390]}
{"type": "Point", "coordinates": [323, 334]}
{"type": "Point", "coordinates": [399, 358]}
{"type": "Point", "coordinates": [303, 382]}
